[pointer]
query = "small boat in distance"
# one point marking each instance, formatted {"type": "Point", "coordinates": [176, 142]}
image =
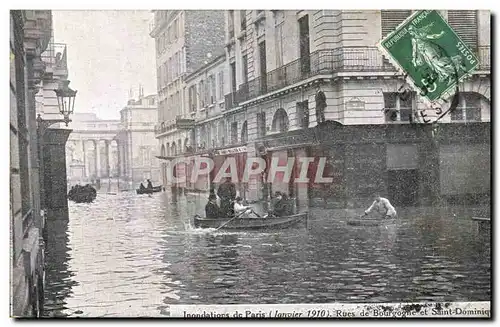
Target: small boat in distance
{"type": "Point", "coordinates": [250, 223]}
{"type": "Point", "coordinates": [149, 190]}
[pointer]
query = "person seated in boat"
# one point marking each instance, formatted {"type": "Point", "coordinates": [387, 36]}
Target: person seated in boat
{"type": "Point", "coordinates": [241, 210]}
{"type": "Point", "coordinates": [141, 187]}
{"type": "Point", "coordinates": [280, 207]}
{"type": "Point", "coordinates": [383, 207]}
{"type": "Point", "coordinates": [288, 211]}
{"type": "Point", "coordinates": [150, 185]}
{"type": "Point", "coordinates": [212, 210]}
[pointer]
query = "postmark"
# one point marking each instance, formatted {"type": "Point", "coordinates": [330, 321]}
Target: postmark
{"type": "Point", "coordinates": [432, 56]}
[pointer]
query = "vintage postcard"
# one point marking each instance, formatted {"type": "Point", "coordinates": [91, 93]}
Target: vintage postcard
{"type": "Point", "coordinates": [248, 164]}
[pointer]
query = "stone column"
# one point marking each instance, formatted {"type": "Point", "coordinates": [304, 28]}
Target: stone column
{"type": "Point", "coordinates": [118, 159]}
{"type": "Point", "coordinates": [107, 146]}
{"type": "Point", "coordinates": [97, 159]}
{"type": "Point", "coordinates": [84, 156]}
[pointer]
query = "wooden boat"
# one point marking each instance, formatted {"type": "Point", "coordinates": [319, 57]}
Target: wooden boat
{"type": "Point", "coordinates": [82, 194]}
{"type": "Point", "coordinates": [149, 190]}
{"type": "Point", "coordinates": [250, 223]}
{"type": "Point", "coordinates": [370, 222]}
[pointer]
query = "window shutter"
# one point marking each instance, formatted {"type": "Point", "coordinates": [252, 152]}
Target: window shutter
{"type": "Point", "coordinates": [391, 19]}
{"type": "Point", "coordinates": [464, 22]}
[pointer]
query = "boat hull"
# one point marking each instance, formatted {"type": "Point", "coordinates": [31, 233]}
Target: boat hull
{"type": "Point", "coordinates": [370, 222]}
{"type": "Point", "coordinates": [149, 190]}
{"type": "Point", "coordinates": [250, 223]}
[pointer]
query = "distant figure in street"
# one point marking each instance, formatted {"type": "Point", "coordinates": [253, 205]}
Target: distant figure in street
{"type": "Point", "coordinates": [227, 195]}
{"type": "Point", "coordinates": [212, 210]}
{"type": "Point", "coordinates": [320, 99]}
{"type": "Point", "coordinates": [240, 210]}
{"type": "Point", "coordinates": [383, 207]}
{"type": "Point", "coordinates": [141, 187]}
{"type": "Point", "coordinates": [150, 185]}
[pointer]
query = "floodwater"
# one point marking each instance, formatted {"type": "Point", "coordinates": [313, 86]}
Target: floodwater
{"type": "Point", "coordinates": [131, 256]}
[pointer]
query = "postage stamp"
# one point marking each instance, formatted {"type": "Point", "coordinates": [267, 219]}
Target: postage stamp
{"type": "Point", "coordinates": [431, 54]}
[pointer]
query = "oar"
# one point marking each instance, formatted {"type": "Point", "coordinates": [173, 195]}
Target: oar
{"type": "Point", "coordinates": [256, 214]}
{"type": "Point", "coordinates": [227, 222]}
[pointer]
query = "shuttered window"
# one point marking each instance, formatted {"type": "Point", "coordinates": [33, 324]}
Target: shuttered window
{"type": "Point", "coordinates": [391, 19]}
{"type": "Point", "coordinates": [464, 22]}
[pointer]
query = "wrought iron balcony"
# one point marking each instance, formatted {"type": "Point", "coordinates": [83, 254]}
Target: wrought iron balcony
{"type": "Point", "coordinates": [329, 61]}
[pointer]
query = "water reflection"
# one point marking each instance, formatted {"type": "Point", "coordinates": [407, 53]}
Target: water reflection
{"type": "Point", "coordinates": [128, 255]}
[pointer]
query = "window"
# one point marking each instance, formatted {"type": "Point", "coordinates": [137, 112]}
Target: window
{"type": "Point", "coordinates": [243, 20]}
{"type": "Point", "coordinates": [234, 132]}
{"type": "Point", "coordinates": [221, 84]}
{"type": "Point", "coordinates": [207, 92]}
{"type": "Point", "coordinates": [261, 124]}
{"type": "Point", "coordinates": [202, 94]}
{"type": "Point", "coordinates": [390, 19]}
{"type": "Point", "coordinates": [213, 89]}
{"type": "Point", "coordinates": [279, 19]}
{"type": "Point", "coordinates": [244, 64]}
{"type": "Point", "coordinates": [394, 103]}
{"type": "Point", "coordinates": [244, 132]}
{"type": "Point", "coordinates": [468, 109]}
{"type": "Point", "coordinates": [303, 114]}
{"type": "Point", "coordinates": [231, 24]}
{"type": "Point", "coordinates": [192, 98]}
{"type": "Point", "coordinates": [464, 23]}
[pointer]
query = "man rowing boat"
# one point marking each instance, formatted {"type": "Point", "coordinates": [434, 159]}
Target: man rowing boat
{"type": "Point", "coordinates": [383, 207]}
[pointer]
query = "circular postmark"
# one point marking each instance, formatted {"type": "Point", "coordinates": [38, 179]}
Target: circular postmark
{"type": "Point", "coordinates": [430, 76]}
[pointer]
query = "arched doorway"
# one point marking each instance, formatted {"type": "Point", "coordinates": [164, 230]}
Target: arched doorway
{"type": "Point", "coordinates": [280, 121]}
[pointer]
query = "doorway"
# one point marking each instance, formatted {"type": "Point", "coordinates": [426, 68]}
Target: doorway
{"type": "Point", "coordinates": [403, 187]}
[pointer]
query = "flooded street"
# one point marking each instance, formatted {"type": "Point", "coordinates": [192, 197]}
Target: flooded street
{"type": "Point", "coordinates": [129, 255]}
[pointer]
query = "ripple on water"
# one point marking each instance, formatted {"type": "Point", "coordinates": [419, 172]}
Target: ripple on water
{"type": "Point", "coordinates": [148, 255]}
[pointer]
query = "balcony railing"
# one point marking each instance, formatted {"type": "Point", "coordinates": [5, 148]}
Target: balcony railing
{"type": "Point", "coordinates": [55, 56]}
{"type": "Point", "coordinates": [329, 61]}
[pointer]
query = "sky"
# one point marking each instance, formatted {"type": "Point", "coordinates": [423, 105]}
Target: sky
{"type": "Point", "coordinates": [109, 53]}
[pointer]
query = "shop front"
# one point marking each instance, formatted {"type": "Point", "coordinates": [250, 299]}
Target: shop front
{"type": "Point", "coordinates": [225, 161]}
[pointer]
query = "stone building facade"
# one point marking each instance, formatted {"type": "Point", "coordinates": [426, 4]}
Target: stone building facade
{"type": "Point", "coordinates": [279, 62]}
{"type": "Point", "coordinates": [30, 33]}
{"type": "Point", "coordinates": [185, 41]}
{"type": "Point", "coordinates": [137, 145]}
{"type": "Point", "coordinates": [281, 59]}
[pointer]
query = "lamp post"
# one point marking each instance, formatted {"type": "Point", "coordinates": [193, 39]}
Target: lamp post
{"type": "Point", "coordinates": [66, 104]}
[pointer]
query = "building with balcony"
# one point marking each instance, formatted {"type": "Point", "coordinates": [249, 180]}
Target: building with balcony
{"type": "Point", "coordinates": [137, 145]}
{"type": "Point", "coordinates": [290, 70]}
{"type": "Point", "coordinates": [30, 33]}
{"type": "Point", "coordinates": [185, 41]}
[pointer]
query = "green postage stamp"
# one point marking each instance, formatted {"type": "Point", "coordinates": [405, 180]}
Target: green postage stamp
{"type": "Point", "coordinates": [430, 53]}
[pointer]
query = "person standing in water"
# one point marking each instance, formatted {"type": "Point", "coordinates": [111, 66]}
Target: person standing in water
{"type": "Point", "coordinates": [383, 207]}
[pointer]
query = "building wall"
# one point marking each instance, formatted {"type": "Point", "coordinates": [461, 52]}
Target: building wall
{"type": "Point", "coordinates": [136, 140]}
{"type": "Point", "coordinates": [29, 35]}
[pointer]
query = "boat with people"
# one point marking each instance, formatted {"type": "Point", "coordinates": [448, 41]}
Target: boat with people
{"type": "Point", "coordinates": [146, 190]}
{"type": "Point", "coordinates": [243, 223]}
{"type": "Point", "coordinates": [82, 194]}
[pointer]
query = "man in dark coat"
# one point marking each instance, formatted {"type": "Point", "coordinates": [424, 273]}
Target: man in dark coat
{"type": "Point", "coordinates": [212, 210]}
{"type": "Point", "coordinates": [320, 105]}
{"type": "Point", "coordinates": [281, 206]}
{"type": "Point", "coordinates": [227, 194]}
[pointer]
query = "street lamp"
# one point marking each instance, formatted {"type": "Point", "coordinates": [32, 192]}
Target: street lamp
{"type": "Point", "coordinates": [66, 104]}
